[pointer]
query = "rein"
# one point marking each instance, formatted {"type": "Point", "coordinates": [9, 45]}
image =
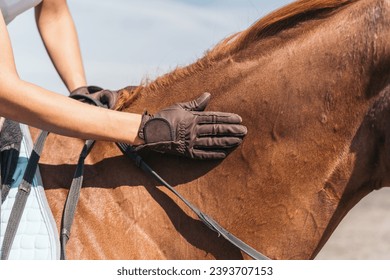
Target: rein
{"type": "Point", "coordinates": [75, 188]}
{"type": "Point", "coordinates": [207, 220]}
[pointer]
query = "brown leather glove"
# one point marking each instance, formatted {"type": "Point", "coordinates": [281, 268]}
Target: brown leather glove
{"type": "Point", "coordinates": [184, 129]}
{"type": "Point", "coordinates": [96, 95]}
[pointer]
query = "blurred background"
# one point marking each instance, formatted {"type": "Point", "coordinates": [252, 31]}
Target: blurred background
{"type": "Point", "coordinates": [125, 42]}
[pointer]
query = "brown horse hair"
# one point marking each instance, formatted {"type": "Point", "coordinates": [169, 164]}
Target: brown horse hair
{"type": "Point", "coordinates": [270, 25]}
{"type": "Point", "coordinates": [277, 21]}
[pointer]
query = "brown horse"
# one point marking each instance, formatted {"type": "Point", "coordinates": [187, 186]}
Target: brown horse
{"type": "Point", "coordinates": [312, 84]}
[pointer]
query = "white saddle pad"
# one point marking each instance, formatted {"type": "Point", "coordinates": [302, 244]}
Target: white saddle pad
{"type": "Point", "coordinates": [37, 236]}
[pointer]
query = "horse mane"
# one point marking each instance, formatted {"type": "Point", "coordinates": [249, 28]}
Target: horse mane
{"type": "Point", "coordinates": [270, 25]}
{"type": "Point", "coordinates": [277, 21]}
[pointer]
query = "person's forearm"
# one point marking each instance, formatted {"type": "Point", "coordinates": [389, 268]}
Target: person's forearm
{"type": "Point", "coordinates": [35, 106]}
{"type": "Point", "coordinates": [59, 36]}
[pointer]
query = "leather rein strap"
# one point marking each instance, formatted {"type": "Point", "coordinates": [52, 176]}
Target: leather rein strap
{"type": "Point", "coordinates": [74, 193]}
{"type": "Point", "coordinates": [207, 220]}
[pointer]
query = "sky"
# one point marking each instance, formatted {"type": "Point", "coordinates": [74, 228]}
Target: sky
{"type": "Point", "coordinates": [124, 42]}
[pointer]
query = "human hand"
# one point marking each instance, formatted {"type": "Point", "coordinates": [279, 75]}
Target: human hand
{"type": "Point", "coordinates": [96, 95]}
{"type": "Point", "coordinates": [185, 129]}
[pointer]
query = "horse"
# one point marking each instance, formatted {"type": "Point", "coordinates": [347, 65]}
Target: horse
{"type": "Point", "coordinates": [311, 82]}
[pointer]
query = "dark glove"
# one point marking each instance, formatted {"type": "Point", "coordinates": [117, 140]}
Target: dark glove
{"type": "Point", "coordinates": [184, 129]}
{"type": "Point", "coordinates": [96, 95]}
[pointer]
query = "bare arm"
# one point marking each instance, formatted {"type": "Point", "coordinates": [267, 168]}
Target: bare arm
{"type": "Point", "coordinates": [35, 106]}
{"type": "Point", "coordinates": [59, 36]}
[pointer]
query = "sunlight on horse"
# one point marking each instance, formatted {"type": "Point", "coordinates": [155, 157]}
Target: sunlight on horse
{"type": "Point", "coordinates": [312, 84]}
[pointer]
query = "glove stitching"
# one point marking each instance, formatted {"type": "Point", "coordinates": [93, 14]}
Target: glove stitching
{"type": "Point", "coordinates": [182, 138]}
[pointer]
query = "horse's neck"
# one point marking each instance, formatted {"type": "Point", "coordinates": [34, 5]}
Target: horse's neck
{"type": "Point", "coordinates": [335, 59]}
{"type": "Point", "coordinates": [314, 56]}
{"type": "Point", "coordinates": [303, 102]}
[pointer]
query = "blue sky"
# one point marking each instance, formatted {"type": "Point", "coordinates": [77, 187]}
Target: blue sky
{"type": "Point", "coordinates": [126, 41]}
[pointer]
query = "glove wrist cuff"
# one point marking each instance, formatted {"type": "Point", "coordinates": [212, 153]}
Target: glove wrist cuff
{"type": "Point", "coordinates": [144, 119]}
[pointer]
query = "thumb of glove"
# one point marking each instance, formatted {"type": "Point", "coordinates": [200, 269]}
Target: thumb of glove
{"type": "Point", "coordinates": [198, 104]}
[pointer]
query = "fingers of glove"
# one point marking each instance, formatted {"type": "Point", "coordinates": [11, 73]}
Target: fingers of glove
{"type": "Point", "coordinates": [205, 154]}
{"type": "Point", "coordinates": [217, 142]}
{"type": "Point", "coordinates": [217, 117]}
{"type": "Point", "coordinates": [198, 104]}
{"type": "Point", "coordinates": [93, 89]}
{"type": "Point", "coordinates": [106, 97]}
{"type": "Point", "coordinates": [221, 130]}
{"type": "Point", "coordinates": [86, 90]}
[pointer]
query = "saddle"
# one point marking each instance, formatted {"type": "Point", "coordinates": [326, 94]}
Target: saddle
{"type": "Point", "coordinates": [10, 140]}
{"type": "Point", "coordinates": [35, 236]}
